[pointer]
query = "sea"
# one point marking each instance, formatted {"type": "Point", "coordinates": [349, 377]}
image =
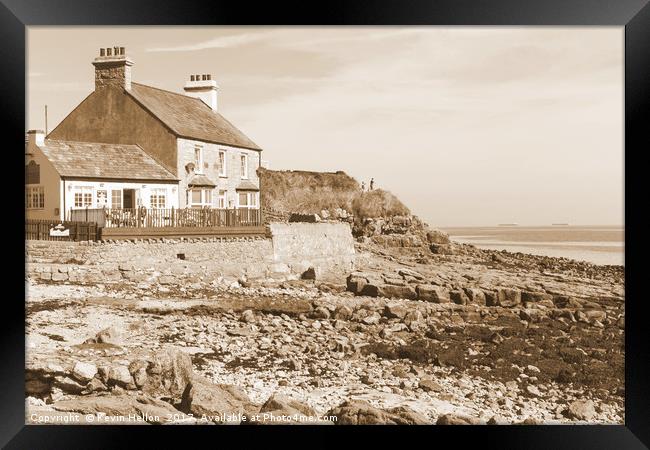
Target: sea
{"type": "Point", "coordinates": [603, 245]}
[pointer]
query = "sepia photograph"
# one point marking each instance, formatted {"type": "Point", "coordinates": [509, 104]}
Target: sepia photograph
{"type": "Point", "coordinates": [324, 225]}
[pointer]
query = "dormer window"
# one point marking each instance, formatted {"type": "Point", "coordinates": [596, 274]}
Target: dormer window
{"type": "Point", "coordinates": [198, 159]}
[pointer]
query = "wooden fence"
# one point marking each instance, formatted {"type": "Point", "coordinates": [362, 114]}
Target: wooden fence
{"type": "Point", "coordinates": [77, 231]}
{"type": "Point", "coordinates": [156, 218]}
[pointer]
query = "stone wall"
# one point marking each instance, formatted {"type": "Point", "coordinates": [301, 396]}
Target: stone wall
{"type": "Point", "coordinates": [328, 248]}
{"type": "Point", "coordinates": [325, 246]}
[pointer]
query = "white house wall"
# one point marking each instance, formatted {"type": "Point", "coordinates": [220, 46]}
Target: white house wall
{"type": "Point", "coordinates": [211, 169]}
{"type": "Point", "coordinates": [143, 192]}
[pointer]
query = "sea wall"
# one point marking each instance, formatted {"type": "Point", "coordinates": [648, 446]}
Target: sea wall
{"type": "Point", "coordinates": [293, 249]}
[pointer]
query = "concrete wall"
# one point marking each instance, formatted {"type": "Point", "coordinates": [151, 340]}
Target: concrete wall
{"type": "Point", "coordinates": [109, 115]}
{"type": "Point", "coordinates": [328, 247]}
{"type": "Point", "coordinates": [211, 169]}
{"type": "Point", "coordinates": [51, 183]}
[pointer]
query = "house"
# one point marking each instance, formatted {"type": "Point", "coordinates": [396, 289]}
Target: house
{"type": "Point", "coordinates": [174, 150]}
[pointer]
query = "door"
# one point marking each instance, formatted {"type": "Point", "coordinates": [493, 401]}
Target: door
{"type": "Point", "coordinates": [129, 198]}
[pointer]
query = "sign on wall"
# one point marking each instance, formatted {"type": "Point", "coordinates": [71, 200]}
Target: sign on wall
{"type": "Point", "coordinates": [59, 230]}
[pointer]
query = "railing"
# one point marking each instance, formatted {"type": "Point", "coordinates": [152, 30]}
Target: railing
{"type": "Point", "coordinates": [154, 218]}
{"type": "Point", "coordinates": [76, 231]}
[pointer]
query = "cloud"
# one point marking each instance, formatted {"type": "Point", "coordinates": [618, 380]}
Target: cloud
{"type": "Point", "coordinates": [233, 40]}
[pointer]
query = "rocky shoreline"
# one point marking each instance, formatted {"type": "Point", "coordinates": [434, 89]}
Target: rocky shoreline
{"type": "Point", "coordinates": [432, 333]}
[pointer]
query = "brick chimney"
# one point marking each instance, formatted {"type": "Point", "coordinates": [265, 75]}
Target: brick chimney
{"type": "Point", "coordinates": [112, 68]}
{"type": "Point", "coordinates": [204, 88]}
{"type": "Point", "coordinates": [35, 137]}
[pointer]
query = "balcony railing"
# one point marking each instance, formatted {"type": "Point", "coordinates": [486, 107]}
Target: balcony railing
{"type": "Point", "coordinates": [150, 217]}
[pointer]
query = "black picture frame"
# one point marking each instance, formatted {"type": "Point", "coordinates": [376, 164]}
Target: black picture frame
{"type": "Point", "coordinates": [634, 15]}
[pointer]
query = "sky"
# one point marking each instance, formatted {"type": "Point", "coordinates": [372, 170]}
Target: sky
{"type": "Point", "coordinates": [468, 126]}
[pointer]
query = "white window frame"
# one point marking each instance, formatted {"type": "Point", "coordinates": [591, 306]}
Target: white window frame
{"type": "Point", "coordinates": [198, 162]}
{"type": "Point", "coordinates": [251, 200]}
{"type": "Point", "coordinates": [83, 191]}
{"type": "Point", "coordinates": [155, 197]}
{"type": "Point", "coordinates": [243, 166]}
{"type": "Point", "coordinates": [206, 197]}
{"type": "Point", "coordinates": [34, 197]}
{"type": "Point", "coordinates": [223, 170]}
{"type": "Point", "coordinates": [113, 205]}
{"type": "Point", "coordinates": [221, 199]}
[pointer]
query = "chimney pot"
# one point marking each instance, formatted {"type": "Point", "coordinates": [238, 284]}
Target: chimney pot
{"type": "Point", "coordinates": [109, 51]}
{"type": "Point", "coordinates": [191, 77]}
{"type": "Point", "coordinates": [102, 52]}
{"type": "Point", "coordinates": [122, 51]}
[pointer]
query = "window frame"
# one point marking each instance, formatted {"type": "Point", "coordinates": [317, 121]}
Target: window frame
{"type": "Point", "coordinates": [83, 191]}
{"type": "Point", "coordinates": [243, 166]}
{"type": "Point", "coordinates": [158, 194]}
{"type": "Point", "coordinates": [198, 162]}
{"type": "Point", "coordinates": [34, 195]}
{"type": "Point", "coordinates": [221, 199]}
{"type": "Point", "coordinates": [251, 199]}
{"type": "Point", "coordinates": [121, 202]}
{"type": "Point", "coordinates": [204, 194]}
{"type": "Point", "coordinates": [223, 169]}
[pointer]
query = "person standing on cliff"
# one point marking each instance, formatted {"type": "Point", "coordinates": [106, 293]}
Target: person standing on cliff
{"type": "Point", "coordinates": [372, 184]}
{"type": "Point", "coordinates": [363, 186]}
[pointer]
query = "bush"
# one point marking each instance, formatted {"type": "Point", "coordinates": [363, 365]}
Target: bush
{"type": "Point", "coordinates": [378, 203]}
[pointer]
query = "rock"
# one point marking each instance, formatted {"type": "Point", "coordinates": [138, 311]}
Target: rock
{"type": "Point", "coordinates": [581, 410]}
{"type": "Point", "coordinates": [280, 409]}
{"type": "Point", "coordinates": [372, 318]}
{"type": "Point", "coordinates": [121, 376]}
{"type": "Point", "coordinates": [392, 291]}
{"type": "Point", "coordinates": [437, 237]}
{"type": "Point", "coordinates": [106, 336]}
{"type": "Point", "coordinates": [359, 412]}
{"type": "Point", "coordinates": [309, 218]}
{"type": "Point", "coordinates": [456, 419]}
{"type": "Point", "coordinates": [138, 369]}
{"type": "Point", "coordinates": [508, 297]}
{"type": "Point", "coordinates": [565, 301]}
{"type": "Point", "coordinates": [475, 295]}
{"type": "Point", "coordinates": [430, 293]}
{"type": "Point", "coordinates": [356, 282]}
{"type": "Point", "coordinates": [370, 290]}
{"type": "Point", "coordinates": [309, 274]}
{"type": "Point", "coordinates": [428, 385]}
{"type": "Point", "coordinates": [343, 312]}
{"type": "Point", "coordinates": [248, 316]}
{"type": "Point", "coordinates": [215, 403]}
{"type": "Point", "coordinates": [84, 371]}
{"type": "Point", "coordinates": [533, 390]}
{"type": "Point", "coordinates": [294, 364]}
{"type": "Point", "coordinates": [535, 296]}
{"type": "Point", "coordinates": [147, 408]}
{"type": "Point", "coordinates": [410, 273]}
{"type": "Point", "coordinates": [441, 249]}
{"type": "Point", "coordinates": [321, 313]}
{"type": "Point", "coordinates": [168, 374]}
{"type": "Point", "coordinates": [395, 311]}
{"type": "Point", "coordinates": [459, 297]}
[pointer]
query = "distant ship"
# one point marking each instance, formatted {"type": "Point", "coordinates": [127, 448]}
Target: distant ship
{"type": "Point", "coordinates": [508, 224]}
{"type": "Point", "coordinates": [560, 224]}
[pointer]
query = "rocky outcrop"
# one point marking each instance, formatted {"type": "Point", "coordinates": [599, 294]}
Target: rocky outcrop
{"type": "Point", "coordinates": [358, 412]}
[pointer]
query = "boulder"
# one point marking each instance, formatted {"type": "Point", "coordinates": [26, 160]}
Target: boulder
{"type": "Point", "coordinates": [503, 296]}
{"type": "Point", "coordinates": [84, 371]}
{"type": "Point", "coordinates": [475, 295]}
{"type": "Point", "coordinates": [168, 374]}
{"type": "Point", "coordinates": [437, 237]}
{"type": "Point", "coordinates": [441, 249]}
{"type": "Point", "coordinates": [391, 291]}
{"type": "Point", "coordinates": [120, 375]}
{"type": "Point", "coordinates": [356, 282]}
{"type": "Point", "coordinates": [429, 385]}
{"type": "Point", "coordinates": [457, 419]}
{"type": "Point", "coordinates": [223, 404]}
{"type": "Point", "coordinates": [395, 311]}
{"type": "Point", "coordinates": [282, 410]}
{"type": "Point", "coordinates": [320, 312]}
{"type": "Point", "coordinates": [309, 274]}
{"type": "Point", "coordinates": [147, 408]}
{"type": "Point", "coordinates": [535, 296]}
{"type": "Point", "coordinates": [459, 297]}
{"type": "Point", "coordinates": [370, 290]}
{"type": "Point", "coordinates": [359, 412]}
{"type": "Point", "coordinates": [581, 410]}
{"type": "Point", "coordinates": [430, 293]}
{"type": "Point", "coordinates": [110, 335]}
{"type": "Point", "coordinates": [343, 312]}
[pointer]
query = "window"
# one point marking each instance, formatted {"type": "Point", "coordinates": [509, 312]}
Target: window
{"type": "Point", "coordinates": [222, 163]}
{"type": "Point", "coordinates": [102, 198]}
{"type": "Point", "coordinates": [247, 199]}
{"type": "Point", "coordinates": [158, 198]}
{"type": "Point", "coordinates": [200, 198]}
{"type": "Point", "coordinates": [221, 200]}
{"type": "Point", "coordinates": [35, 197]}
{"type": "Point", "coordinates": [198, 159]}
{"type": "Point", "coordinates": [116, 198]}
{"type": "Point", "coordinates": [244, 165]}
{"type": "Point", "coordinates": [83, 196]}
{"type": "Point", "coordinates": [32, 173]}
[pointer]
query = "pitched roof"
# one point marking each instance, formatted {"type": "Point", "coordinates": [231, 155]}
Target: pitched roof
{"type": "Point", "coordinates": [200, 180]}
{"type": "Point", "coordinates": [247, 186]}
{"type": "Point", "coordinates": [95, 160]}
{"type": "Point", "coordinates": [189, 117]}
